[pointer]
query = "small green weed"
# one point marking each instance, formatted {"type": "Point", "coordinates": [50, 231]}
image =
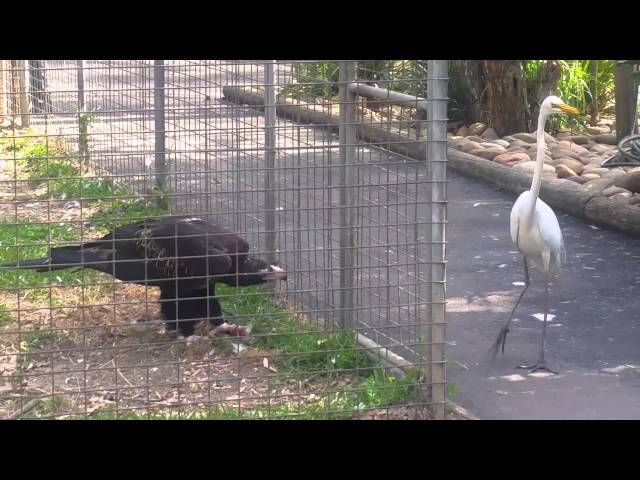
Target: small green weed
{"type": "Point", "coordinates": [6, 317]}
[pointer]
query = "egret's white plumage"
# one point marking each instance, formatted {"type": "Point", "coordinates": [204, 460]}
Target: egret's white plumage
{"type": "Point", "coordinates": [534, 227]}
{"type": "Point", "coordinates": [539, 239]}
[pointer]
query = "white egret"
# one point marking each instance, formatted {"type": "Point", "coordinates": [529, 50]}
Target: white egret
{"type": "Point", "coordinates": [536, 232]}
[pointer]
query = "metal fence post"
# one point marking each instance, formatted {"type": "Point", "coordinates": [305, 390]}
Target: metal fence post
{"type": "Point", "coordinates": [40, 101]}
{"type": "Point", "coordinates": [24, 98]}
{"type": "Point", "coordinates": [83, 124]}
{"type": "Point", "coordinates": [347, 135]}
{"type": "Point", "coordinates": [159, 120]}
{"type": "Point", "coordinates": [270, 160]}
{"type": "Point", "coordinates": [426, 274]}
{"type": "Point", "coordinates": [3, 91]}
{"type": "Point", "coordinates": [437, 159]}
{"type": "Point", "coordinates": [12, 90]}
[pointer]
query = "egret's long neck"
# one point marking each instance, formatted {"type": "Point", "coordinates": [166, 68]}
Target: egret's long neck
{"type": "Point", "coordinates": [537, 174]}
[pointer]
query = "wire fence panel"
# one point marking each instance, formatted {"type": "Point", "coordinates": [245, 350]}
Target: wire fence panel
{"type": "Point", "coordinates": [260, 239]}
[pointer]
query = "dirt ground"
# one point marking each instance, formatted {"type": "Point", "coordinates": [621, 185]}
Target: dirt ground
{"type": "Point", "coordinates": [103, 347]}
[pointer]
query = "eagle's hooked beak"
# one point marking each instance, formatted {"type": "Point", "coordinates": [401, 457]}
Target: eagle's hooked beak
{"type": "Point", "coordinates": [275, 272]}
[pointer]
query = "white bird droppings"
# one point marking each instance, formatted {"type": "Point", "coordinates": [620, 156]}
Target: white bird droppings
{"type": "Point", "coordinates": [620, 368]}
{"type": "Point", "coordinates": [238, 347]}
{"type": "Point", "coordinates": [540, 316]}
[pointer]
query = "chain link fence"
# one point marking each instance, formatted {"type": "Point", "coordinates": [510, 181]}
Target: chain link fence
{"type": "Point", "coordinates": [333, 171]}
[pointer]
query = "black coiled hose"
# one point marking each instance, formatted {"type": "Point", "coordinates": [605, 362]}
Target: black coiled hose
{"type": "Point", "coordinates": [628, 154]}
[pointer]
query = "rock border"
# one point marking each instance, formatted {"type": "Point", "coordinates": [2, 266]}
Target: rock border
{"type": "Point", "coordinates": [573, 198]}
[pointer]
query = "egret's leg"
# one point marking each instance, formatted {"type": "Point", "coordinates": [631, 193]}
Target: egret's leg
{"type": "Point", "coordinates": [542, 363]}
{"type": "Point", "coordinates": [502, 336]}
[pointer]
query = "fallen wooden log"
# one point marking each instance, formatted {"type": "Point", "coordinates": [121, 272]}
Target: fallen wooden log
{"type": "Point", "coordinates": [365, 132]}
{"type": "Point", "coordinates": [560, 194]}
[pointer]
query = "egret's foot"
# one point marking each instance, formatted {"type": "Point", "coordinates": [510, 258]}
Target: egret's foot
{"type": "Point", "coordinates": [229, 329]}
{"type": "Point", "coordinates": [499, 343]}
{"type": "Point", "coordinates": [541, 365]}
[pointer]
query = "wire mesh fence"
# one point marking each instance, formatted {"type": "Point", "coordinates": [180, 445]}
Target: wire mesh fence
{"type": "Point", "coordinates": [260, 239]}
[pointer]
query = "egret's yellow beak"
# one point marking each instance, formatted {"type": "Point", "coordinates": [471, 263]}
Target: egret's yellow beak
{"type": "Point", "coordinates": [568, 108]}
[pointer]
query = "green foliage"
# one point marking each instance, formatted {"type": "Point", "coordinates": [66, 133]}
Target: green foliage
{"type": "Point", "coordinates": [409, 76]}
{"type": "Point", "coordinates": [161, 196]}
{"type": "Point", "coordinates": [298, 351]}
{"type": "Point", "coordinates": [6, 317]}
{"type": "Point", "coordinates": [321, 79]}
{"type": "Point", "coordinates": [298, 348]}
{"type": "Point", "coordinates": [382, 390]}
{"type": "Point", "coordinates": [575, 86]}
{"type": "Point", "coordinates": [86, 119]}
{"type": "Point", "coordinates": [63, 177]}
{"type": "Point", "coordinates": [11, 143]}
{"type": "Point", "coordinates": [313, 80]}
{"type": "Point", "coordinates": [28, 241]}
{"type": "Point", "coordinates": [36, 339]}
{"type": "Point", "coordinates": [452, 390]}
{"type": "Point", "coordinates": [373, 70]}
{"type": "Point", "coordinates": [379, 390]}
{"type": "Point", "coordinates": [121, 211]}
{"type": "Point", "coordinates": [49, 407]}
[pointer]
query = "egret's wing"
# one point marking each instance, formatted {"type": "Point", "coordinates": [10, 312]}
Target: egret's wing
{"type": "Point", "coordinates": [551, 234]}
{"type": "Point", "coordinates": [549, 227]}
{"type": "Point", "coordinates": [516, 214]}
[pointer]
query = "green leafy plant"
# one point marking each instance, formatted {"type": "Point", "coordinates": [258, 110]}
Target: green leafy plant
{"type": "Point", "coordinates": [313, 80]}
{"type": "Point", "coordinates": [6, 317]}
{"type": "Point", "coordinates": [574, 86]}
{"type": "Point", "coordinates": [320, 79]}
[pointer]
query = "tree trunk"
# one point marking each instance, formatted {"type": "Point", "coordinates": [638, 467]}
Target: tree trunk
{"type": "Point", "coordinates": [626, 100]}
{"type": "Point", "coordinates": [507, 96]}
{"type": "Point", "coordinates": [594, 92]}
{"type": "Point", "coordinates": [547, 83]}
{"type": "Point", "coordinates": [14, 89]}
{"type": "Point", "coordinates": [467, 90]}
{"type": "Point", "coordinates": [41, 101]}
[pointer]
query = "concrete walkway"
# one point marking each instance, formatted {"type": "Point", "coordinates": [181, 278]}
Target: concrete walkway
{"type": "Point", "coordinates": [593, 341]}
